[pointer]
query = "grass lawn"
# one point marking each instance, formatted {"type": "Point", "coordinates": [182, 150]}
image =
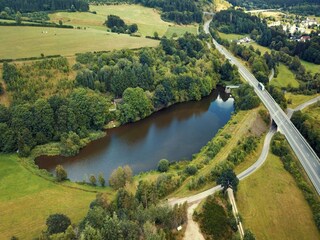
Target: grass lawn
{"type": "Point", "coordinates": [62, 41]}
{"type": "Point", "coordinates": [231, 36]}
{"type": "Point", "coordinates": [313, 68]}
{"type": "Point", "coordinates": [298, 99]}
{"type": "Point", "coordinates": [285, 78]}
{"type": "Point", "coordinates": [26, 200]}
{"type": "Point", "coordinates": [255, 45]}
{"type": "Point", "coordinates": [180, 30]}
{"type": "Point", "coordinates": [272, 205]}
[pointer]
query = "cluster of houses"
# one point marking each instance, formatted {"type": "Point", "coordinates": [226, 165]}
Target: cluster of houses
{"type": "Point", "coordinates": [297, 25]}
{"type": "Point", "coordinates": [244, 40]}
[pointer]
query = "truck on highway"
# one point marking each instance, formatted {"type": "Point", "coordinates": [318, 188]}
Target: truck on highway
{"type": "Point", "coordinates": [261, 86]}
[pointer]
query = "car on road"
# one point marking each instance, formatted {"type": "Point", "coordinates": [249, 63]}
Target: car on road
{"type": "Point", "coordinates": [261, 86]}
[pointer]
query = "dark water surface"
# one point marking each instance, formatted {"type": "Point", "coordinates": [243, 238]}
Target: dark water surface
{"type": "Point", "coordinates": [174, 133]}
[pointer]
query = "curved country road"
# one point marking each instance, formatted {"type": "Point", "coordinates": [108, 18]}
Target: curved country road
{"type": "Point", "coordinates": [192, 231]}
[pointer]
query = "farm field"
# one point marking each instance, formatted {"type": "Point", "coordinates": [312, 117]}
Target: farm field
{"type": "Point", "coordinates": [26, 200]}
{"type": "Point", "coordinates": [147, 19]}
{"type": "Point", "coordinates": [285, 78]}
{"type": "Point", "coordinates": [52, 41]}
{"type": "Point", "coordinates": [277, 208]}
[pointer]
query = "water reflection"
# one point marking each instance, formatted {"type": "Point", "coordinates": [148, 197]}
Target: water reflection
{"type": "Point", "coordinates": [174, 133]}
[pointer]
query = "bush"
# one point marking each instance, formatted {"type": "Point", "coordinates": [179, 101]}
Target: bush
{"type": "Point", "coordinates": [57, 223]}
{"type": "Point", "coordinates": [101, 180]}
{"type": "Point", "coordinates": [248, 235]}
{"type": "Point", "coordinates": [93, 180]}
{"type": "Point", "coordinates": [191, 170]}
{"type": "Point", "coordinates": [163, 165]}
{"type": "Point", "coordinates": [120, 177]}
{"type": "Point", "coordinates": [70, 144]}
{"type": "Point", "coordinates": [166, 184]}
{"type": "Point", "coordinates": [1, 89]}
{"type": "Point", "coordinates": [61, 174]}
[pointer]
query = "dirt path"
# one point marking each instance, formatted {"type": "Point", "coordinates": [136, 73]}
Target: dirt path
{"type": "Point", "coordinates": [193, 230]}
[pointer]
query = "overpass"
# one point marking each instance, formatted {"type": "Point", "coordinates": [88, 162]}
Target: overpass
{"type": "Point", "coordinates": [306, 155]}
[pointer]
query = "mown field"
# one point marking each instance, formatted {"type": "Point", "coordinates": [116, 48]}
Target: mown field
{"type": "Point", "coordinates": [285, 78]}
{"type": "Point", "coordinates": [272, 205]}
{"type": "Point", "coordinates": [21, 42]}
{"type": "Point", "coordinates": [147, 19]}
{"type": "Point", "coordinates": [26, 200]}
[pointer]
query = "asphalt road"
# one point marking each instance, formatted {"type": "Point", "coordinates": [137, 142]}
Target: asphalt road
{"type": "Point", "coordinates": [307, 157]}
{"type": "Point", "coordinates": [302, 106]}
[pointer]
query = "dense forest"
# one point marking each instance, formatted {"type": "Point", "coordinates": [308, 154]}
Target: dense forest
{"type": "Point", "coordinates": [144, 80]}
{"type": "Point", "coordinates": [44, 5]}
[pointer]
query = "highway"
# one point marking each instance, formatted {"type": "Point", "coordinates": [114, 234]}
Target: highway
{"type": "Point", "coordinates": [306, 155]}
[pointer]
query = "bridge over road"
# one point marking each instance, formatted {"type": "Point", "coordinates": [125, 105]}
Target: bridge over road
{"type": "Point", "coordinates": [306, 155]}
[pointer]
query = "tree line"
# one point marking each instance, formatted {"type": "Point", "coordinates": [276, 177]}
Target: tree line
{"type": "Point", "coordinates": [308, 127]}
{"type": "Point", "coordinates": [65, 119]}
{"type": "Point", "coordinates": [44, 5]}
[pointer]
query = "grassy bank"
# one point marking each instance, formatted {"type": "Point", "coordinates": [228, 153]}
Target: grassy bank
{"type": "Point", "coordinates": [26, 200]}
{"type": "Point", "coordinates": [40, 40]}
{"type": "Point", "coordinates": [241, 125]}
{"type": "Point", "coordinates": [272, 205]}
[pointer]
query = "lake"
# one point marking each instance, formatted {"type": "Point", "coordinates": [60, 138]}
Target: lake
{"type": "Point", "coordinates": [174, 133]}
